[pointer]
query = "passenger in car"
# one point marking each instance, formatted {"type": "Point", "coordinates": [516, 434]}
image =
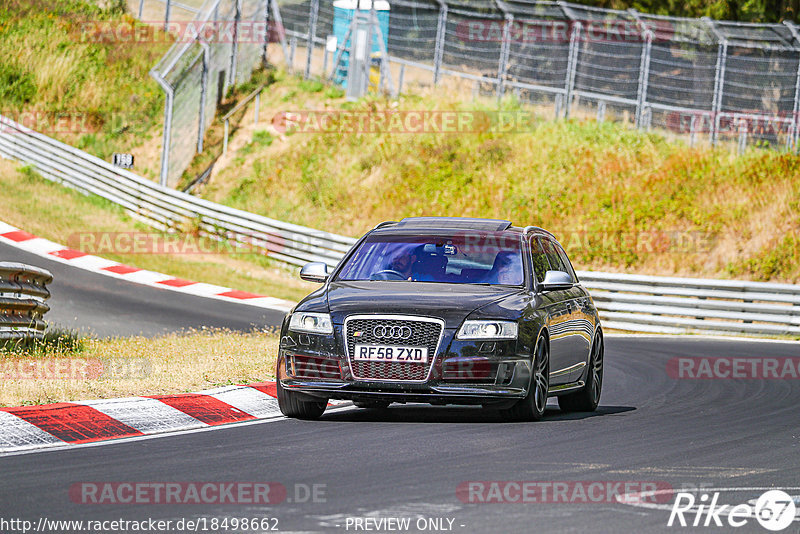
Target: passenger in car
{"type": "Point", "coordinates": [506, 269]}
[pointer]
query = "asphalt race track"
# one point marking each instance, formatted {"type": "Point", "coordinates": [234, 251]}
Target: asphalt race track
{"type": "Point", "coordinates": [106, 306]}
{"type": "Point", "coordinates": [409, 461]}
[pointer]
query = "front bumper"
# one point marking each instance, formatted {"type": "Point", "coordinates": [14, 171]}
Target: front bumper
{"type": "Point", "coordinates": [439, 394]}
{"type": "Point", "coordinates": [485, 380]}
{"type": "Point", "coordinates": [462, 371]}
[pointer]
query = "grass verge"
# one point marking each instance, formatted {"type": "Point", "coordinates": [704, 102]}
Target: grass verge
{"type": "Point", "coordinates": [122, 367]}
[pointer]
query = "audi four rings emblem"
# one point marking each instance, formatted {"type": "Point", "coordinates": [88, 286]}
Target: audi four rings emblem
{"type": "Point", "coordinates": [392, 332]}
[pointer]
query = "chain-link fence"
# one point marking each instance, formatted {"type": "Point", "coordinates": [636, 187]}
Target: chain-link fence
{"type": "Point", "coordinates": [709, 81]}
{"type": "Point", "coordinates": [165, 11]}
{"type": "Point", "coordinates": [219, 43]}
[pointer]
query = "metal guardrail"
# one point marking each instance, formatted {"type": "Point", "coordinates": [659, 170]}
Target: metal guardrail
{"type": "Point", "coordinates": [626, 302]}
{"type": "Point", "coordinates": [22, 294]}
{"type": "Point", "coordinates": [679, 305]}
{"type": "Point", "coordinates": [165, 208]}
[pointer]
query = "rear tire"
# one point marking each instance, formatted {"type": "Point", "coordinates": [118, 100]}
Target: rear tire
{"type": "Point", "coordinates": [532, 407]}
{"type": "Point", "coordinates": [587, 399]}
{"type": "Point", "coordinates": [299, 406]}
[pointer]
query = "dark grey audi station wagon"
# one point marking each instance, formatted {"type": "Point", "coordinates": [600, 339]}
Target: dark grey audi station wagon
{"type": "Point", "coordinates": [444, 310]}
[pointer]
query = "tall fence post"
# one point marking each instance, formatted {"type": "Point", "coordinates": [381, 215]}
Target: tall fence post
{"type": "Point", "coordinates": [235, 46]}
{"type": "Point", "coordinates": [796, 108]}
{"type": "Point", "coordinates": [719, 79]}
{"type": "Point", "coordinates": [572, 67]}
{"type": "Point", "coordinates": [265, 48]}
{"type": "Point", "coordinates": [313, 13]}
{"type": "Point", "coordinates": [278, 25]}
{"type": "Point", "coordinates": [170, 92]}
{"type": "Point", "coordinates": [796, 103]}
{"type": "Point", "coordinates": [644, 67]}
{"type": "Point", "coordinates": [201, 129]}
{"type": "Point", "coordinates": [441, 35]}
{"type": "Point", "coordinates": [644, 75]}
{"type": "Point", "coordinates": [167, 12]}
{"type": "Point", "coordinates": [505, 48]}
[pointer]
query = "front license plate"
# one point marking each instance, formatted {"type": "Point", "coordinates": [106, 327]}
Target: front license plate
{"type": "Point", "coordinates": [391, 353]}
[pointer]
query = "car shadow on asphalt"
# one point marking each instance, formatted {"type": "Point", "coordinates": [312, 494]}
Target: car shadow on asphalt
{"type": "Point", "coordinates": [421, 413]}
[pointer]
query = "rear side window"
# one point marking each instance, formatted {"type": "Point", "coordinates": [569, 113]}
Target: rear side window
{"type": "Point", "coordinates": [551, 251]}
{"type": "Point", "coordinates": [567, 263]}
{"type": "Point", "coordinates": [539, 259]}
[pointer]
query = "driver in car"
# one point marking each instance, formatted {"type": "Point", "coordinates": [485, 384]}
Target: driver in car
{"type": "Point", "coordinates": [403, 262]}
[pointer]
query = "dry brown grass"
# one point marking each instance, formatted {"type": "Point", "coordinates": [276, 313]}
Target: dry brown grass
{"type": "Point", "coordinates": [112, 368]}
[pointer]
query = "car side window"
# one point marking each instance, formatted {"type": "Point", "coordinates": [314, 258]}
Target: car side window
{"type": "Point", "coordinates": [550, 250]}
{"type": "Point", "coordinates": [539, 260]}
{"type": "Point", "coordinates": [567, 263]}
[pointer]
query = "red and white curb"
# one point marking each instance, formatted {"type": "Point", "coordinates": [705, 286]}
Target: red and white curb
{"type": "Point", "coordinates": [53, 251]}
{"type": "Point", "coordinates": [71, 423]}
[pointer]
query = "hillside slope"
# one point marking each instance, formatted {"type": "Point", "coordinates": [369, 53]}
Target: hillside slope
{"type": "Point", "coordinates": [60, 77]}
{"type": "Point", "coordinates": [618, 199]}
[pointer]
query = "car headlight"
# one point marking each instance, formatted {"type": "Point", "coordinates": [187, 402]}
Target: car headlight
{"type": "Point", "coordinates": [488, 330]}
{"type": "Point", "coordinates": [313, 323]}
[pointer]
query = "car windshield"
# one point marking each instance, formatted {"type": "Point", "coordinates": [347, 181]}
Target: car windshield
{"type": "Point", "coordinates": [492, 258]}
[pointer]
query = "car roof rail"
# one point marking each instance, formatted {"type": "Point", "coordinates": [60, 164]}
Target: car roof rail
{"type": "Point", "coordinates": [529, 229]}
{"type": "Point", "coordinates": [384, 223]}
{"type": "Point", "coordinates": [456, 223]}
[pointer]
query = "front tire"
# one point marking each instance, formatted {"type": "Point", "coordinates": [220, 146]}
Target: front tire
{"type": "Point", "coordinates": [299, 406]}
{"type": "Point", "coordinates": [587, 399]}
{"type": "Point", "coordinates": [532, 407]}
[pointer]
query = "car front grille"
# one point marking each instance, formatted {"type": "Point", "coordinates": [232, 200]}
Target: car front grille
{"type": "Point", "coordinates": [424, 333]}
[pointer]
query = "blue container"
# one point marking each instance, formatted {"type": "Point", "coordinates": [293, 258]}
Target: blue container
{"type": "Point", "coordinates": [343, 12]}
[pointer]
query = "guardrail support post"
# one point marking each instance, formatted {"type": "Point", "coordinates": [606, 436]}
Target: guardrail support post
{"type": "Point", "coordinates": [441, 35]}
{"type": "Point", "coordinates": [742, 136]}
{"type": "Point", "coordinates": [312, 34]}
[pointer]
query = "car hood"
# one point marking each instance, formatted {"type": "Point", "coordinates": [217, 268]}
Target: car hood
{"type": "Point", "coordinates": [451, 302]}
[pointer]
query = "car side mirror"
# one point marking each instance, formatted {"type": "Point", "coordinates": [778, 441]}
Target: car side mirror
{"type": "Point", "coordinates": [555, 280]}
{"type": "Point", "coordinates": [316, 271]}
